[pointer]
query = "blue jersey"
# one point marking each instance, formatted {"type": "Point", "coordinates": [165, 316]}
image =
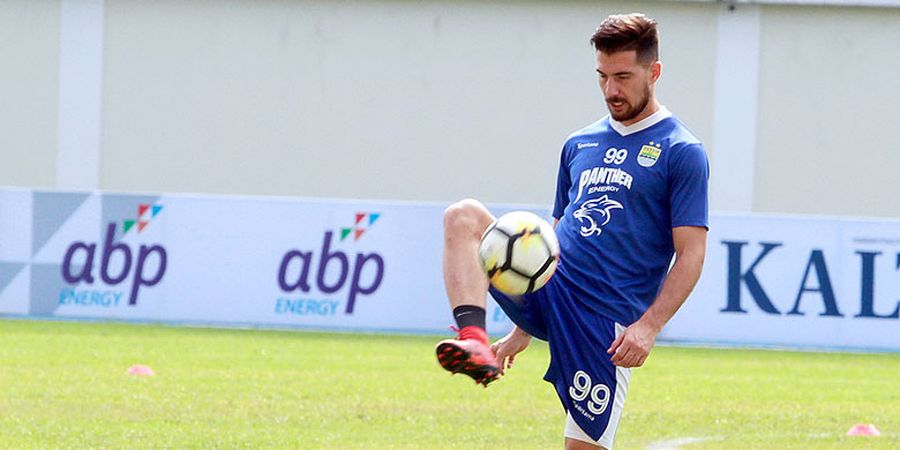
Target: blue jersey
{"type": "Point", "coordinates": [620, 191]}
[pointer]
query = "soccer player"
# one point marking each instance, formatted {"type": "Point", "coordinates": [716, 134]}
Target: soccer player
{"type": "Point", "coordinates": [631, 193]}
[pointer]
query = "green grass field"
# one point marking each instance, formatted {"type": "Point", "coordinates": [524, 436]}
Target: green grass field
{"type": "Point", "coordinates": [64, 385]}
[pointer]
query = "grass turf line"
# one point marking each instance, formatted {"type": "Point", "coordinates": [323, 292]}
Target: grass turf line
{"type": "Point", "coordinates": [64, 385]}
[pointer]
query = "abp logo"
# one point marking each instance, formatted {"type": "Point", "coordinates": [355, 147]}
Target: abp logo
{"type": "Point", "coordinates": [304, 271]}
{"type": "Point", "coordinates": [114, 262]}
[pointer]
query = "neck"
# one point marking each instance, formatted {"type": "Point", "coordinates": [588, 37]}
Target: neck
{"type": "Point", "coordinates": [652, 107]}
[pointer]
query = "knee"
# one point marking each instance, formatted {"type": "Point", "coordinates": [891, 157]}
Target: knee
{"type": "Point", "coordinates": [466, 217]}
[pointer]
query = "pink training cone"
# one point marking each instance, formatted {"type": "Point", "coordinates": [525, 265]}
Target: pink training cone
{"type": "Point", "coordinates": [863, 429]}
{"type": "Point", "coordinates": [141, 370]}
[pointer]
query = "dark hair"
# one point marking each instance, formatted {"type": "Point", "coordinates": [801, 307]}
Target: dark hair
{"type": "Point", "coordinates": [624, 32]}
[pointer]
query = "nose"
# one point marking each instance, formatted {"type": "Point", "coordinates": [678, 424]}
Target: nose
{"type": "Point", "coordinates": [611, 89]}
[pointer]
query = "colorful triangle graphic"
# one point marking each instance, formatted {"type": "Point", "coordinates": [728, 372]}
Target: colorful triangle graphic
{"type": "Point", "coordinates": [156, 210]}
{"type": "Point", "coordinates": [142, 208]}
{"type": "Point", "coordinates": [373, 217]}
{"type": "Point", "coordinates": [127, 226]}
{"type": "Point", "coordinates": [143, 224]}
{"type": "Point", "coordinates": [359, 232]}
{"type": "Point", "coordinates": [345, 232]}
{"type": "Point", "coordinates": [359, 217]}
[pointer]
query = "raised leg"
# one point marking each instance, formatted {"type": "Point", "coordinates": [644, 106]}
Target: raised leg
{"type": "Point", "coordinates": [464, 279]}
{"type": "Point", "coordinates": [467, 286]}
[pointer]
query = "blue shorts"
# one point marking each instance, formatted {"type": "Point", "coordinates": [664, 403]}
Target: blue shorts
{"type": "Point", "coordinates": [591, 388]}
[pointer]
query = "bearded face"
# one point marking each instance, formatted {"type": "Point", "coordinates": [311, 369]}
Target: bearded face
{"type": "Point", "coordinates": [625, 109]}
{"type": "Point", "coordinates": [626, 84]}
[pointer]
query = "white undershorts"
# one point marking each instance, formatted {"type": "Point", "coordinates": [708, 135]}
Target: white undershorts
{"type": "Point", "coordinates": [573, 431]}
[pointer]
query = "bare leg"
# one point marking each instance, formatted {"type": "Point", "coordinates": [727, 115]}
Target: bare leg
{"type": "Point", "coordinates": [464, 279]}
{"type": "Point", "coordinates": [467, 285]}
{"type": "Point", "coordinates": [574, 444]}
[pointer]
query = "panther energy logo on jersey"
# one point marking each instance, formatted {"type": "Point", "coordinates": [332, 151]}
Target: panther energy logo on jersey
{"type": "Point", "coordinates": [603, 179]}
{"type": "Point", "coordinates": [649, 154]}
{"type": "Point", "coordinates": [595, 213]}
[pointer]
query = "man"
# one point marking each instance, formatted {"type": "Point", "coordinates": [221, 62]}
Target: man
{"type": "Point", "coordinates": [642, 177]}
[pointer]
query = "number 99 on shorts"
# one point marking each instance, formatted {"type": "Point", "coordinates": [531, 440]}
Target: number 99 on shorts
{"type": "Point", "coordinates": [597, 395]}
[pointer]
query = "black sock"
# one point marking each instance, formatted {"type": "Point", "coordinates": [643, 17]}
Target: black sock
{"type": "Point", "coordinates": [468, 315]}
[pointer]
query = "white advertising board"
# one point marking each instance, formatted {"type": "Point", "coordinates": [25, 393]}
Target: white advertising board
{"type": "Point", "coordinates": [376, 266]}
{"type": "Point", "coordinates": [224, 260]}
{"type": "Point", "coordinates": [796, 282]}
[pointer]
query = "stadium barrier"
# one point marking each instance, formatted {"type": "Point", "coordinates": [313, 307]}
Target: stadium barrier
{"type": "Point", "coordinates": [375, 266]}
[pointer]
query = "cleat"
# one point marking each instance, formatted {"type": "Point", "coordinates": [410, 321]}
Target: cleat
{"type": "Point", "coordinates": [469, 354]}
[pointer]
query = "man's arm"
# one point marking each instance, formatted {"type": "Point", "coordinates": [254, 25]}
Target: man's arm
{"type": "Point", "coordinates": [633, 346]}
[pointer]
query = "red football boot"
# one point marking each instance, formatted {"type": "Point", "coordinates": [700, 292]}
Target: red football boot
{"type": "Point", "coordinates": [469, 354]}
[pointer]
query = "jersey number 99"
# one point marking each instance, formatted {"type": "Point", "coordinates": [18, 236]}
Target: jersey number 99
{"type": "Point", "coordinates": [615, 156]}
{"type": "Point", "coordinates": [582, 387]}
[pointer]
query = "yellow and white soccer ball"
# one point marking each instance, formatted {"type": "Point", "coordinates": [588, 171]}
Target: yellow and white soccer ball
{"type": "Point", "coordinates": [519, 252]}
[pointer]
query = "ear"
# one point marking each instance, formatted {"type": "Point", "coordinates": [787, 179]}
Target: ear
{"type": "Point", "coordinates": [655, 70]}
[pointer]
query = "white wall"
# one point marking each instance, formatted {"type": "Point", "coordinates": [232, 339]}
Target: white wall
{"type": "Point", "coordinates": [401, 100]}
{"type": "Point", "coordinates": [828, 118]}
{"type": "Point", "coordinates": [29, 48]}
{"type": "Point", "coordinates": [438, 100]}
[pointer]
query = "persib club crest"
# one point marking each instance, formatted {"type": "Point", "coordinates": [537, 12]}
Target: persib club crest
{"type": "Point", "coordinates": [649, 154]}
{"type": "Point", "coordinates": [594, 214]}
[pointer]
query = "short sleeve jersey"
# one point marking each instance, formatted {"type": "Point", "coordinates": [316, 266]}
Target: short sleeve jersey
{"type": "Point", "coordinates": [620, 191]}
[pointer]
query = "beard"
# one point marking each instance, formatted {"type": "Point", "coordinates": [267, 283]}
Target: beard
{"type": "Point", "coordinates": [631, 111]}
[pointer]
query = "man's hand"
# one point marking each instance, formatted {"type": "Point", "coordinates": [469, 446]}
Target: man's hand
{"type": "Point", "coordinates": [507, 347]}
{"type": "Point", "coordinates": [633, 345]}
